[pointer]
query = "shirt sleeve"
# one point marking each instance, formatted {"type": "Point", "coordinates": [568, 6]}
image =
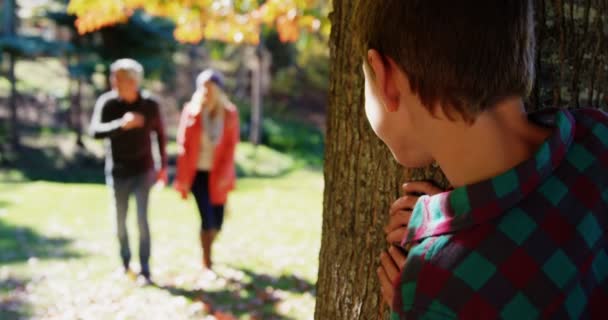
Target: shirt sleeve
{"type": "Point", "coordinates": [101, 127]}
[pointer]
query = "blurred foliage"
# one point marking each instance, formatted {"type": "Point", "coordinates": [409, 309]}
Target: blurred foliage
{"type": "Point", "coordinates": [228, 21]}
{"type": "Point", "coordinates": [298, 73]}
{"type": "Point", "coordinates": [22, 45]}
{"type": "Point", "coordinates": [285, 133]}
{"type": "Point", "coordinates": [32, 46]}
{"type": "Point", "coordinates": [144, 38]}
{"type": "Point", "coordinates": [262, 161]}
{"type": "Point", "coordinates": [300, 140]}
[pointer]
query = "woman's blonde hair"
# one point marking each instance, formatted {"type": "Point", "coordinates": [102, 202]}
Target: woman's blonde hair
{"type": "Point", "coordinates": [217, 79]}
{"type": "Point", "coordinates": [198, 97]}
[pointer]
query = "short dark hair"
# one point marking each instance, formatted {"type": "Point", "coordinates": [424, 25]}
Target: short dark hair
{"type": "Point", "coordinates": [465, 54]}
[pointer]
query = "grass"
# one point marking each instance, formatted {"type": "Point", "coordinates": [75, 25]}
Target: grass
{"type": "Point", "coordinates": [33, 76]}
{"type": "Point", "coordinates": [54, 157]}
{"type": "Point", "coordinates": [262, 161]}
{"type": "Point", "coordinates": [58, 253]}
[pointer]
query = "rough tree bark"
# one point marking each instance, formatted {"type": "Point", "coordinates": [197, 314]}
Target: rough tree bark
{"type": "Point", "coordinates": [361, 180]}
{"type": "Point", "coordinates": [560, 16]}
{"type": "Point", "coordinates": [536, 99]}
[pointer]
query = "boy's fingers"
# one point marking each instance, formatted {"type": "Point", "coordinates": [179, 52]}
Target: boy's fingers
{"type": "Point", "coordinates": [398, 220]}
{"type": "Point", "coordinates": [423, 187]}
{"type": "Point", "coordinates": [389, 266]}
{"type": "Point", "coordinates": [403, 203]}
{"type": "Point", "coordinates": [398, 257]}
{"type": "Point", "coordinates": [385, 286]}
{"type": "Point", "coordinates": [396, 236]}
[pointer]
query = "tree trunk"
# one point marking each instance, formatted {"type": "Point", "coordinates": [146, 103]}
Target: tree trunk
{"type": "Point", "coordinates": [76, 116]}
{"type": "Point", "coordinates": [256, 101]}
{"type": "Point", "coordinates": [561, 20]}
{"type": "Point", "coordinates": [361, 181]}
{"type": "Point", "coordinates": [12, 102]}
{"type": "Point", "coordinates": [595, 60]}
{"type": "Point", "coordinates": [10, 28]}
{"type": "Point", "coordinates": [580, 46]}
{"type": "Point", "coordinates": [536, 97]}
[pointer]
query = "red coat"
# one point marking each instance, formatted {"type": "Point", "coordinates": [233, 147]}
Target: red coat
{"type": "Point", "coordinates": [222, 176]}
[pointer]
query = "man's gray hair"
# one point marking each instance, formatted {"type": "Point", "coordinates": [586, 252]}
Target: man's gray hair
{"type": "Point", "coordinates": [132, 67]}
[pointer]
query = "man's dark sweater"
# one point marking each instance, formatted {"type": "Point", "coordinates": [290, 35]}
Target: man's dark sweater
{"type": "Point", "coordinates": [128, 152]}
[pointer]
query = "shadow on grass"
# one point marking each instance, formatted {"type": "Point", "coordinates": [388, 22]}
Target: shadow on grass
{"type": "Point", "coordinates": [49, 164]}
{"type": "Point", "coordinates": [19, 244]}
{"type": "Point", "coordinates": [12, 299]}
{"type": "Point", "coordinates": [257, 295]}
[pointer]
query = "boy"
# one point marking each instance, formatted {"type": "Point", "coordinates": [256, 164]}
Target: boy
{"type": "Point", "coordinates": [522, 235]}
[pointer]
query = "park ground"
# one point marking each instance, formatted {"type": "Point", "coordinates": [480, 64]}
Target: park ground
{"type": "Point", "coordinates": [59, 257]}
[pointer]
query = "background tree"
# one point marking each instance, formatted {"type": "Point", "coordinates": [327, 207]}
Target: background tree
{"type": "Point", "coordinates": [9, 37]}
{"type": "Point", "coordinates": [572, 60]}
{"type": "Point", "coordinates": [361, 180]}
{"type": "Point", "coordinates": [17, 45]}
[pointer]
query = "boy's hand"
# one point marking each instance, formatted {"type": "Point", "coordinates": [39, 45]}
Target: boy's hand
{"type": "Point", "coordinates": [401, 210]}
{"type": "Point", "coordinates": [392, 262]}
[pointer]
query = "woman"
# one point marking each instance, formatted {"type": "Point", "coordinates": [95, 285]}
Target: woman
{"type": "Point", "coordinates": [207, 137]}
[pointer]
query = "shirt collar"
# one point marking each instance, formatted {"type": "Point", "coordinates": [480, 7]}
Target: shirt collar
{"type": "Point", "coordinates": [477, 203]}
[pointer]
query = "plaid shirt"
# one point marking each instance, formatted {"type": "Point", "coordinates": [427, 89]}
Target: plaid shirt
{"type": "Point", "coordinates": [530, 243]}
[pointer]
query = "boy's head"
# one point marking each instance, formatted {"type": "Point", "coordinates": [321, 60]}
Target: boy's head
{"type": "Point", "coordinates": [440, 60]}
{"type": "Point", "coordinates": [126, 76]}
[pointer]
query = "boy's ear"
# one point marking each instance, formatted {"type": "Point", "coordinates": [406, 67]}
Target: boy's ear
{"type": "Point", "coordinates": [385, 72]}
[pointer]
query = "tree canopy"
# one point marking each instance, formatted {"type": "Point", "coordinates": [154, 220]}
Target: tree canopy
{"type": "Point", "coordinates": [238, 21]}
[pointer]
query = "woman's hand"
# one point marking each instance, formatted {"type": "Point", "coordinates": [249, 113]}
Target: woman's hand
{"type": "Point", "coordinates": [181, 189]}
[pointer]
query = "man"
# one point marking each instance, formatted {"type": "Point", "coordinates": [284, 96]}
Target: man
{"type": "Point", "coordinates": [126, 117]}
{"type": "Point", "coordinates": [522, 235]}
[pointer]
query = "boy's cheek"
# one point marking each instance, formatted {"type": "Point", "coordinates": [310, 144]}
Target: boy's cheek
{"type": "Point", "coordinates": [374, 117]}
{"type": "Point", "coordinates": [373, 109]}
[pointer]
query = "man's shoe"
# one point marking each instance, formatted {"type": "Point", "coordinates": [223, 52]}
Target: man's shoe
{"type": "Point", "coordinates": [144, 279]}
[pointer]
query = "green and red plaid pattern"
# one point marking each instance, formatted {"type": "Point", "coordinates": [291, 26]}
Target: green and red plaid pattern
{"type": "Point", "coordinates": [528, 244]}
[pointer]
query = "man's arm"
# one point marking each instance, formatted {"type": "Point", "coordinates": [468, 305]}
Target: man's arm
{"type": "Point", "coordinates": [101, 128]}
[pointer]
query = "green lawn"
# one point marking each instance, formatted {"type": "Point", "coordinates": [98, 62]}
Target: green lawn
{"type": "Point", "coordinates": [59, 258]}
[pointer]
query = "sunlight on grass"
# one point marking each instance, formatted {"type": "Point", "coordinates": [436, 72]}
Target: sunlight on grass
{"type": "Point", "coordinates": [262, 161]}
{"type": "Point", "coordinates": [60, 250]}
{"type": "Point", "coordinates": [33, 76]}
